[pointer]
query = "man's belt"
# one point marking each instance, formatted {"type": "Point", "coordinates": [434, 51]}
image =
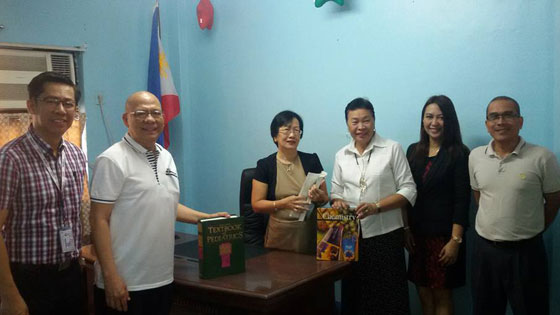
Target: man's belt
{"type": "Point", "coordinates": [513, 244]}
{"type": "Point", "coordinates": [44, 267]}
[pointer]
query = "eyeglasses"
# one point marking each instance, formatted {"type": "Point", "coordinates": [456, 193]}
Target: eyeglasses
{"type": "Point", "coordinates": [507, 116]}
{"type": "Point", "coordinates": [286, 131]}
{"type": "Point", "coordinates": [143, 114]}
{"type": "Point", "coordinates": [53, 102]}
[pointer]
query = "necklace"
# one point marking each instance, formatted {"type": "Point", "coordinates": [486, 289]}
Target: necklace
{"type": "Point", "coordinates": [289, 167]}
{"type": "Point", "coordinates": [431, 149]}
{"type": "Point", "coordinates": [363, 183]}
{"type": "Point", "coordinates": [287, 164]}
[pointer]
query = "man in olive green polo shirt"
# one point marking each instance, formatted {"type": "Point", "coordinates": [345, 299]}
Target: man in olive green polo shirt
{"type": "Point", "coordinates": [517, 187]}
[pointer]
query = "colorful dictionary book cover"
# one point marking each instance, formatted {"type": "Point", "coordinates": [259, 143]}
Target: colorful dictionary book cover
{"type": "Point", "coordinates": [221, 250]}
{"type": "Point", "coordinates": [338, 232]}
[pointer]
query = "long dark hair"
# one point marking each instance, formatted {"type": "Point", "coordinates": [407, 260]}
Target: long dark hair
{"type": "Point", "coordinates": [452, 141]}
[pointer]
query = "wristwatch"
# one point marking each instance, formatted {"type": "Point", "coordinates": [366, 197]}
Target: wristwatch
{"type": "Point", "coordinates": [378, 206]}
{"type": "Point", "coordinates": [457, 239]}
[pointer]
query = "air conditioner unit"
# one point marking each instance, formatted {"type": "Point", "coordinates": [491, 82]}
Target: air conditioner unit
{"type": "Point", "coordinates": [18, 67]}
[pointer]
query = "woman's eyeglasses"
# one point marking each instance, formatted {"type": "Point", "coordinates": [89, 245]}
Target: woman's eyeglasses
{"type": "Point", "coordinates": [287, 131]}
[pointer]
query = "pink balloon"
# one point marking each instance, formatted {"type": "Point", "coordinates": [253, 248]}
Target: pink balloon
{"type": "Point", "coordinates": [205, 14]}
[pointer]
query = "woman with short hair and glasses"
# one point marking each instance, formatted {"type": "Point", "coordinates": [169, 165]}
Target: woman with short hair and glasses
{"type": "Point", "coordinates": [277, 183]}
{"type": "Point", "coordinates": [439, 164]}
{"type": "Point", "coordinates": [372, 176]}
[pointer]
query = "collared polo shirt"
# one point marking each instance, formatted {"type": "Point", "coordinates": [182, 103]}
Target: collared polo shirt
{"type": "Point", "coordinates": [511, 205]}
{"type": "Point", "coordinates": [40, 203]}
{"type": "Point", "coordinates": [144, 189]}
{"type": "Point", "coordinates": [386, 172]}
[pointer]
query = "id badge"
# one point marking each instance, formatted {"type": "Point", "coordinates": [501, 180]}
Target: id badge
{"type": "Point", "coordinates": [67, 240]}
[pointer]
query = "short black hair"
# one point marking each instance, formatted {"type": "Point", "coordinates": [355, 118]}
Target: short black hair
{"type": "Point", "coordinates": [282, 119]}
{"type": "Point", "coordinates": [358, 103]}
{"type": "Point", "coordinates": [37, 84]}
{"type": "Point", "coordinates": [505, 98]}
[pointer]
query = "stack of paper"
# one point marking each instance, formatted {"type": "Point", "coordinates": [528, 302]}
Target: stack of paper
{"type": "Point", "coordinates": [310, 180]}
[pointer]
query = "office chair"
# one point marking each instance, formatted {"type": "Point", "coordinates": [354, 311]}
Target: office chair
{"type": "Point", "coordinates": [255, 223]}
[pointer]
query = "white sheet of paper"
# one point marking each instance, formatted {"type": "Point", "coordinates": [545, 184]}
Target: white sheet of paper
{"type": "Point", "coordinates": [311, 179]}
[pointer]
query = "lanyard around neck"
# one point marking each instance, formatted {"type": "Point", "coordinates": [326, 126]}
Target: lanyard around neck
{"type": "Point", "coordinates": [363, 183]}
{"type": "Point", "coordinates": [356, 157]}
{"type": "Point", "coordinates": [41, 153]}
{"type": "Point", "coordinates": [59, 185]}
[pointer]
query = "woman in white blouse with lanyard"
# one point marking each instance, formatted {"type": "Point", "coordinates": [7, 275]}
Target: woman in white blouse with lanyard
{"type": "Point", "coordinates": [372, 176]}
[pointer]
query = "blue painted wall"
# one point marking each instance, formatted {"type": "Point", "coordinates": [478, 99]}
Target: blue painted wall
{"type": "Point", "coordinates": [266, 56]}
{"type": "Point", "coordinates": [263, 57]}
{"type": "Point", "coordinates": [553, 235]}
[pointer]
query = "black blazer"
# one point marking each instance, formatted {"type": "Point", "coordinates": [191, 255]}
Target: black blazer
{"type": "Point", "coordinates": [266, 170]}
{"type": "Point", "coordinates": [444, 198]}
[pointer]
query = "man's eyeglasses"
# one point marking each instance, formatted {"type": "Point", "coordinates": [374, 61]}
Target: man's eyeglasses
{"type": "Point", "coordinates": [286, 131]}
{"type": "Point", "coordinates": [508, 116]}
{"type": "Point", "coordinates": [53, 102]}
{"type": "Point", "coordinates": [143, 114]}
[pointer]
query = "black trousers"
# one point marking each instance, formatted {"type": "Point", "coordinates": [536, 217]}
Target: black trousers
{"type": "Point", "coordinates": [377, 283]}
{"type": "Point", "coordinates": [49, 291]}
{"type": "Point", "coordinates": [155, 301]}
{"type": "Point", "coordinates": [514, 272]}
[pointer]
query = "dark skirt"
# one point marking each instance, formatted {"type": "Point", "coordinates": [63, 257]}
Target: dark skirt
{"type": "Point", "coordinates": [424, 270]}
{"type": "Point", "coordinates": [377, 283]}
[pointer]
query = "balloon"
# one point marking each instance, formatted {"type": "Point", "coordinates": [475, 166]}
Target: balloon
{"type": "Point", "coordinates": [319, 3]}
{"type": "Point", "coordinates": [205, 14]}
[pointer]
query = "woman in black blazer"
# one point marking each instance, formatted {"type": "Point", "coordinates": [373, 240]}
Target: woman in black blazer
{"type": "Point", "coordinates": [436, 223]}
{"type": "Point", "coordinates": [278, 180]}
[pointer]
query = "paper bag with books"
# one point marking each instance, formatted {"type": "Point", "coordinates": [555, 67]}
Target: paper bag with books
{"type": "Point", "coordinates": [338, 232]}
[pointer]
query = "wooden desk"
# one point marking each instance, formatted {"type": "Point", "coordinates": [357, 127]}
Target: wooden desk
{"type": "Point", "coordinates": [275, 282]}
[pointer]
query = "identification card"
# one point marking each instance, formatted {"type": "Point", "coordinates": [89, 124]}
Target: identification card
{"type": "Point", "coordinates": [67, 240]}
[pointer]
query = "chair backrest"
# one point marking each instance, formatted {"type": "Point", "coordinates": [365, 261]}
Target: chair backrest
{"type": "Point", "coordinates": [255, 223]}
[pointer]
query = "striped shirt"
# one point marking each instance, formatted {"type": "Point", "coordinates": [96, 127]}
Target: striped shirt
{"type": "Point", "coordinates": [37, 209]}
{"type": "Point", "coordinates": [152, 159]}
{"type": "Point", "coordinates": [151, 156]}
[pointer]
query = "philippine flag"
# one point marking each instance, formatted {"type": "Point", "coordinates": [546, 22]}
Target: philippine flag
{"type": "Point", "coordinates": [160, 81]}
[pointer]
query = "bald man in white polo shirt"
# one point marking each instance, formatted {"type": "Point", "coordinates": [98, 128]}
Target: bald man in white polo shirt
{"type": "Point", "coordinates": [517, 187]}
{"type": "Point", "coordinates": [135, 202]}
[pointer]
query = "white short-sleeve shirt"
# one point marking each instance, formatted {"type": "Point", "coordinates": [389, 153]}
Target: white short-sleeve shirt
{"type": "Point", "coordinates": [386, 172]}
{"type": "Point", "coordinates": [511, 205]}
{"type": "Point", "coordinates": [142, 222]}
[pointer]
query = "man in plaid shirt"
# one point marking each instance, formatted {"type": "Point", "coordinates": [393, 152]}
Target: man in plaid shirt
{"type": "Point", "coordinates": [41, 188]}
